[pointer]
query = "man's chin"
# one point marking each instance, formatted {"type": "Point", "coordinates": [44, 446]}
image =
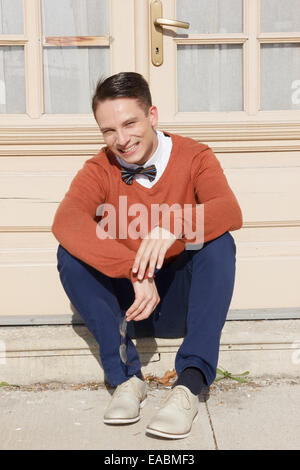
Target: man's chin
{"type": "Point", "coordinates": [134, 160]}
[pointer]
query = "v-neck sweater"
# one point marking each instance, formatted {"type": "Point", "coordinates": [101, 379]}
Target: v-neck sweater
{"type": "Point", "coordinates": [193, 176]}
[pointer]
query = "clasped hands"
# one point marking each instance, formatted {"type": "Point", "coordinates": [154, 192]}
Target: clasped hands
{"type": "Point", "coordinates": [151, 252]}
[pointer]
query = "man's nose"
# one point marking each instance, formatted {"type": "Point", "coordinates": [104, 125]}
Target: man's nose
{"type": "Point", "coordinates": [122, 138]}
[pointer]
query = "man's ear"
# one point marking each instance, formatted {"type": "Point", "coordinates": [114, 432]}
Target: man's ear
{"type": "Point", "coordinates": [153, 115]}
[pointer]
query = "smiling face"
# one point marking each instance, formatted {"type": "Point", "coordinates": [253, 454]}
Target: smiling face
{"type": "Point", "coordinates": [128, 131]}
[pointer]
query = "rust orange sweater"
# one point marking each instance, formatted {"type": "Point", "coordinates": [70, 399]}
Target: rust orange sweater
{"type": "Point", "coordinates": [193, 176]}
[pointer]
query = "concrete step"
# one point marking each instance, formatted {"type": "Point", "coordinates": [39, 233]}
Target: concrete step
{"type": "Point", "coordinates": [69, 353]}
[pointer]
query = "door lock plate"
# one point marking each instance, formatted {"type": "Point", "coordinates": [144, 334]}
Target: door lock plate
{"type": "Point", "coordinates": [156, 34]}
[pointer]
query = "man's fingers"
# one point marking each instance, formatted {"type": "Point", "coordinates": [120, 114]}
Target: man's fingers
{"type": "Point", "coordinates": [146, 300]}
{"type": "Point", "coordinates": [152, 251]}
{"type": "Point", "coordinates": [139, 255]}
{"type": "Point", "coordinates": [134, 306]}
{"type": "Point", "coordinates": [153, 261]}
{"type": "Point", "coordinates": [146, 311]}
{"type": "Point", "coordinates": [144, 260]}
{"type": "Point", "coordinates": [161, 257]}
{"type": "Point", "coordinates": [137, 311]}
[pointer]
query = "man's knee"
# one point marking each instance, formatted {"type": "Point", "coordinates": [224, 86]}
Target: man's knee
{"type": "Point", "coordinates": [217, 256]}
{"type": "Point", "coordinates": [220, 248]}
{"type": "Point", "coordinates": [67, 262]}
{"type": "Point", "coordinates": [224, 245]}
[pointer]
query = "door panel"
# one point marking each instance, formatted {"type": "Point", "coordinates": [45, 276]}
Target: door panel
{"type": "Point", "coordinates": [202, 80]}
{"type": "Point", "coordinates": [209, 78]}
{"type": "Point", "coordinates": [71, 75]}
{"type": "Point", "coordinates": [12, 89]}
{"type": "Point", "coordinates": [211, 16]}
{"type": "Point", "coordinates": [11, 15]}
{"type": "Point", "coordinates": [280, 16]}
{"type": "Point", "coordinates": [76, 18]}
{"type": "Point", "coordinates": [200, 76]}
{"type": "Point", "coordinates": [278, 83]}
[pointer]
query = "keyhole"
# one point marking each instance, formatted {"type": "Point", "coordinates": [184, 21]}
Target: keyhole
{"type": "Point", "coordinates": [156, 50]}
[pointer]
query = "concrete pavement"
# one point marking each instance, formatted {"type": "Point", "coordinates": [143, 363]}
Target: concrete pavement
{"type": "Point", "coordinates": [262, 414]}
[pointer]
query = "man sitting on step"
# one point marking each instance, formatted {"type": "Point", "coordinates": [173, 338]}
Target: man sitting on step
{"type": "Point", "coordinates": [145, 250]}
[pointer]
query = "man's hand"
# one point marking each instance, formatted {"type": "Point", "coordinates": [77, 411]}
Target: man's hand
{"type": "Point", "coordinates": [146, 299]}
{"type": "Point", "coordinates": [152, 250]}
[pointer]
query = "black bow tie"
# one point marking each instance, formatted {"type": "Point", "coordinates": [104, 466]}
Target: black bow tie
{"type": "Point", "coordinates": [128, 174]}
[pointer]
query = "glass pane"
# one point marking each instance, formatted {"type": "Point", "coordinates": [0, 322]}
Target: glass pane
{"type": "Point", "coordinates": [280, 76]}
{"type": "Point", "coordinates": [211, 16]}
{"type": "Point", "coordinates": [210, 77]}
{"type": "Point", "coordinates": [11, 17]}
{"type": "Point", "coordinates": [75, 17]}
{"type": "Point", "coordinates": [71, 75]}
{"type": "Point", "coordinates": [280, 16]}
{"type": "Point", "coordinates": [12, 80]}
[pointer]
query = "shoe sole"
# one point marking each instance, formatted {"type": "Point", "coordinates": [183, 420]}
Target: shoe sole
{"type": "Point", "coordinates": [155, 432]}
{"type": "Point", "coordinates": [125, 420]}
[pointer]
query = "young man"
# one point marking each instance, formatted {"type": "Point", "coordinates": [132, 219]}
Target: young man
{"type": "Point", "coordinates": [166, 272]}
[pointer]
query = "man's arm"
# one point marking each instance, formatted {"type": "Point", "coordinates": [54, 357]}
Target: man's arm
{"type": "Point", "coordinates": [222, 212]}
{"type": "Point", "coordinates": [215, 212]}
{"type": "Point", "coordinates": [216, 208]}
{"type": "Point", "coordinates": [74, 225]}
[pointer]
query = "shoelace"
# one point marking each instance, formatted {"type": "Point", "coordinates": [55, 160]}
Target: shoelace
{"type": "Point", "coordinates": [126, 386]}
{"type": "Point", "coordinates": [180, 396]}
{"type": "Point", "coordinates": [122, 388]}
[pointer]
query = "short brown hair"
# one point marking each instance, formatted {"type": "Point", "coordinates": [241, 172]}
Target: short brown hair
{"type": "Point", "coordinates": [123, 85]}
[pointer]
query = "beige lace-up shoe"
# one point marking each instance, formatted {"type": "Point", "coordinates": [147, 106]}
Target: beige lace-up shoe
{"type": "Point", "coordinates": [127, 400]}
{"type": "Point", "coordinates": [176, 417]}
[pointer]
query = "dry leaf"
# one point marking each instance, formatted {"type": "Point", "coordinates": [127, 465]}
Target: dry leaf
{"type": "Point", "coordinates": [168, 378]}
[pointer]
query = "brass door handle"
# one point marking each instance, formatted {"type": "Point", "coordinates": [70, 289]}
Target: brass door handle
{"type": "Point", "coordinates": [176, 23]}
{"type": "Point", "coordinates": [157, 32]}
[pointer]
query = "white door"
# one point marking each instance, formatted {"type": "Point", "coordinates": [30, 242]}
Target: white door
{"type": "Point", "coordinates": [232, 80]}
{"type": "Point", "coordinates": [52, 52]}
{"type": "Point", "coordinates": [239, 60]}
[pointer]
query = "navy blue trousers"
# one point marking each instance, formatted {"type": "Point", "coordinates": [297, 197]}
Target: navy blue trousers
{"type": "Point", "coordinates": [195, 293]}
